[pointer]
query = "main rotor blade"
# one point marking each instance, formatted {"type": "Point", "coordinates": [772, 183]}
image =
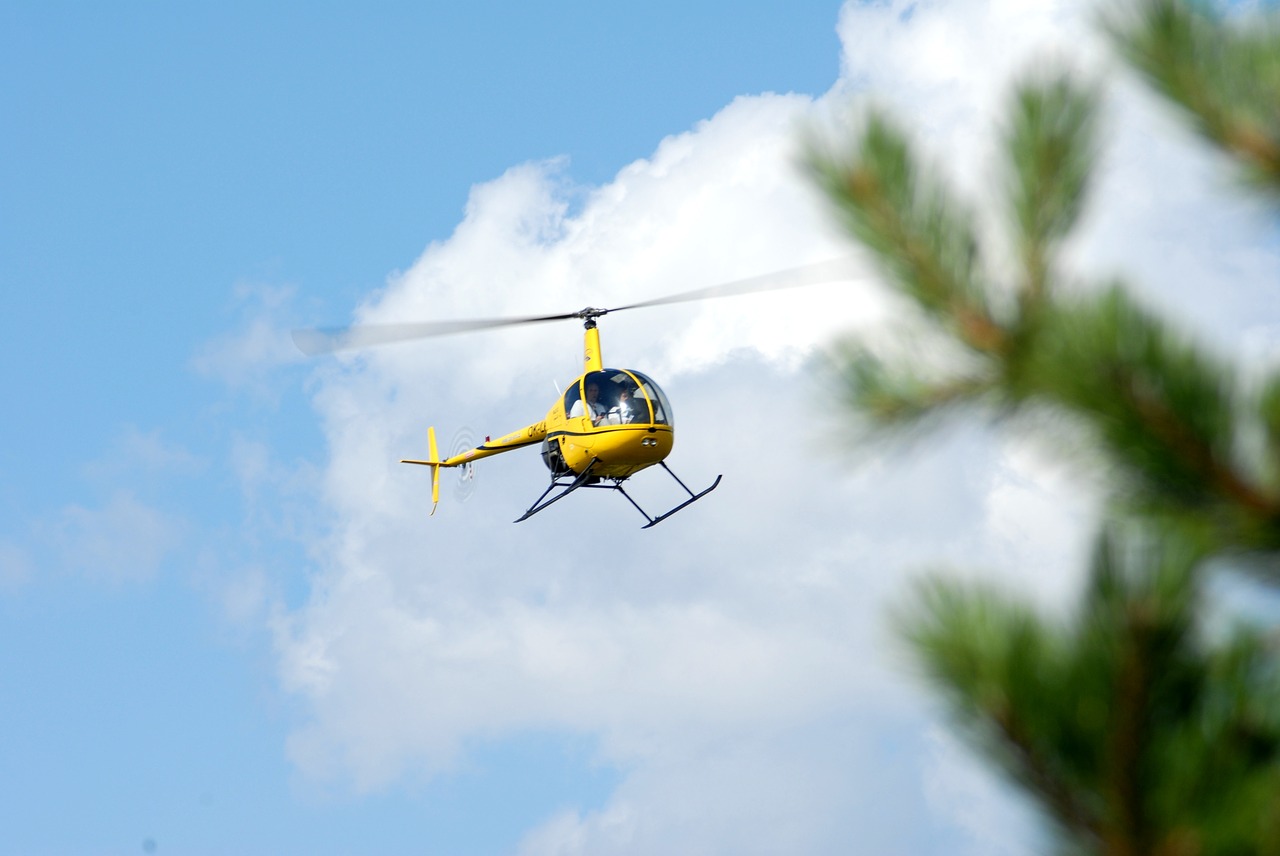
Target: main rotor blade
{"type": "Point", "coordinates": [314, 342]}
{"type": "Point", "coordinates": [833, 270]}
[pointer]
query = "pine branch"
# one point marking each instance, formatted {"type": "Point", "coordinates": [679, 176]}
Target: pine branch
{"type": "Point", "coordinates": [1138, 616]}
{"type": "Point", "coordinates": [1226, 78]}
{"type": "Point", "coordinates": [1060, 801]}
{"type": "Point", "coordinates": [1050, 147]}
{"type": "Point", "coordinates": [1164, 412]}
{"type": "Point", "coordinates": [1134, 730]}
{"type": "Point", "coordinates": [988, 655]}
{"type": "Point", "coordinates": [1268, 410]}
{"type": "Point", "coordinates": [904, 395]}
{"type": "Point", "coordinates": [1129, 730]}
{"type": "Point", "coordinates": [1163, 409]}
{"type": "Point", "coordinates": [916, 228]}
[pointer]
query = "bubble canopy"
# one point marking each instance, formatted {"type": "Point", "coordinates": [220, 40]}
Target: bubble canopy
{"type": "Point", "coordinates": [621, 396]}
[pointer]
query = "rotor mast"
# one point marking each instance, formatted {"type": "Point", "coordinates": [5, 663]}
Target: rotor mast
{"type": "Point", "coordinates": [592, 358]}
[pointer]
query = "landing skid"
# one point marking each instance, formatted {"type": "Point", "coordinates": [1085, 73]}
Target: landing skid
{"type": "Point", "coordinates": [586, 479]}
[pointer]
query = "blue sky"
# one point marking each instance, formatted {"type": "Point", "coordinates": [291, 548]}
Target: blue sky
{"type": "Point", "coordinates": [226, 622]}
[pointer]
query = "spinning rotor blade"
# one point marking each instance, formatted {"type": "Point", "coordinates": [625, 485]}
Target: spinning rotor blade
{"type": "Point", "coordinates": [313, 342]}
{"type": "Point", "coordinates": [828, 271]}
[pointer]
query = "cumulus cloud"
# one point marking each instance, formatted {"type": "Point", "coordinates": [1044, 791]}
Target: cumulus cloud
{"type": "Point", "coordinates": [733, 663]}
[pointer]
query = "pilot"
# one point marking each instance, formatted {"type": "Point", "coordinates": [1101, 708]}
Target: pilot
{"type": "Point", "coordinates": [592, 404]}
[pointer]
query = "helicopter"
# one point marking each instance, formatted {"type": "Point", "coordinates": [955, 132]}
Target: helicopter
{"type": "Point", "coordinates": [607, 426]}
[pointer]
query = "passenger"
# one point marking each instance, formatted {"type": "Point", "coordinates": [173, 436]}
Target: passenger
{"type": "Point", "coordinates": [630, 408]}
{"type": "Point", "coordinates": [620, 412]}
{"type": "Point", "coordinates": [593, 406]}
{"type": "Point", "coordinates": [625, 406]}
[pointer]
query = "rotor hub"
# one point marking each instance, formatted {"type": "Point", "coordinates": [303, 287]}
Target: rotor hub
{"type": "Point", "coordinates": [589, 315]}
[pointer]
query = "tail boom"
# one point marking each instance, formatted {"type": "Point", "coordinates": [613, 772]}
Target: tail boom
{"type": "Point", "coordinates": [526, 436]}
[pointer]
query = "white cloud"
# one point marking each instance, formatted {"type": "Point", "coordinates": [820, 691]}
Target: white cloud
{"type": "Point", "coordinates": [998, 822]}
{"type": "Point", "coordinates": [1169, 217]}
{"type": "Point", "coordinates": [137, 453]}
{"type": "Point", "coordinates": [775, 791]}
{"type": "Point", "coordinates": [733, 661]}
{"type": "Point", "coordinates": [945, 68]}
{"type": "Point", "coordinates": [1040, 520]}
{"type": "Point", "coordinates": [242, 360]}
{"type": "Point", "coordinates": [125, 540]}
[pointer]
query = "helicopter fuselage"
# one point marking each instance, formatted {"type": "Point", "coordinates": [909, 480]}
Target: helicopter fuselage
{"type": "Point", "coordinates": [617, 418]}
{"type": "Point", "coordinates": [616, 421]}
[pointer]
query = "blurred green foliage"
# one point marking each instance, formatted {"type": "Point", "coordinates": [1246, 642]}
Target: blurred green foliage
{"type": "Point", "coordinates": [1134, 729]}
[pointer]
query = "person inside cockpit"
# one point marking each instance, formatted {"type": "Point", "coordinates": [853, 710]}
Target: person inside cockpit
{"type": "Point", "coordinates": [626, 405]}
{"type": "Point", "coordinates": [593, 407]}
{"type": "Point", "coordinates": [627, 408]}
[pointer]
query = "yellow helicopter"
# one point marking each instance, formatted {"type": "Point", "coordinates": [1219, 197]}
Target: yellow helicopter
{"type": "Point", "coordinates": [608, 425]}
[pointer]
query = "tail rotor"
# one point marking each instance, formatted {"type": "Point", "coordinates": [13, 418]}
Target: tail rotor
{"type": "Point", "coordinates": [433, 461]}
{"type": "Point", "coordinates": [465, 483]}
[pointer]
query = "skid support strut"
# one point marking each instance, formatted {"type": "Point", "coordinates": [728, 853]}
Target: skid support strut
{"type": "Point", "coordinates": [569, 486]}
{"type": "Point", "coordinates": [693, 497]}
{"type": "Point", "coordinates": [586, 479]}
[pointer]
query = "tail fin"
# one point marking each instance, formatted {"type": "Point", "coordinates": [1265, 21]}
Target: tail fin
{"type": "Point", "coordinates": [433, 461]}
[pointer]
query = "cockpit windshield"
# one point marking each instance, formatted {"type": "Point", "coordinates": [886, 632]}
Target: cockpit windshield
{"type": "Point", "coordinates": [618, 397]}
{"type": "Point", "coordinates": [656, 398]}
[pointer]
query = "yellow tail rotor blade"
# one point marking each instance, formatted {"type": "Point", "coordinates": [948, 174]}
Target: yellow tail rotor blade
{"type": "Point", "coordinates": [434, 455]}
{"type": "Point", "coordinates": [433, 461]}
